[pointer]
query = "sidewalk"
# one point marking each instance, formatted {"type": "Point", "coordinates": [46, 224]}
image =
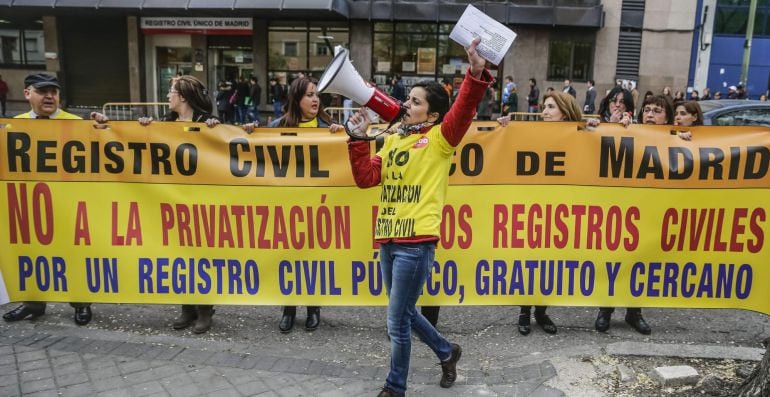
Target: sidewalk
{"type": "Point", "coordinates": [129, 350]}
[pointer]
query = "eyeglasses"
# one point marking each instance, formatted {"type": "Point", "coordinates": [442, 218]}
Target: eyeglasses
{"type": "Point", "coordinates": [653, 110]}
{"type": "Point", "coordinates": [173, 91]}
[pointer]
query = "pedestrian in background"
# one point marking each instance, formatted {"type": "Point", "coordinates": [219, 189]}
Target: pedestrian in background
{"type": "Point", "coordinates": [3, 95]}
{"type": "Point", "coordinates": [533, 97]}
{"type": "Point", "coordinates": [255, 93]}
{"type": "Point", "coordinates": [589, 106]}
{"type": "Point", "coordinates": [568, 89]}
{"type": "Point", "coordinates": [277, 94]}
{"type": "Point", "coordinates": [242, 91]}
{"type": "Point", "coordinates": [224, 107]}
{"type": "Point", "coordinates": [398, 91]}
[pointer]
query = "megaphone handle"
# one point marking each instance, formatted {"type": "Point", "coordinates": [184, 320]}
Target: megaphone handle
{"type": "Point", "coordinates": [355, 136]}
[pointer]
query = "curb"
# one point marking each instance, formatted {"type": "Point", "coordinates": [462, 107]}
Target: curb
{"type": "Point", "coordinates": [684, 350]}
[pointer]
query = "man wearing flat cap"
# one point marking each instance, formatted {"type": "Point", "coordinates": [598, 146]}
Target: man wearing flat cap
{"type": "Point", "coordinates": [42, 93]}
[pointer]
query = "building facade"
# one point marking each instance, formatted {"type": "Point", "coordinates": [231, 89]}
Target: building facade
{"type": "Point", "coordinates": [719, 42]}
{"type": "Point", "coordinates": [127, 50]}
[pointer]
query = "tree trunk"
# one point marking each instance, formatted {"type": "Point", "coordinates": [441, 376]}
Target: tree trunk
{"type": "Point", "coordinates": [758, 383]}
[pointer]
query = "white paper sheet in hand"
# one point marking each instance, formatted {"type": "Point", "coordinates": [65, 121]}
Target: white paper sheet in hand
{"type": "Point", "coordinates": [496, 39]}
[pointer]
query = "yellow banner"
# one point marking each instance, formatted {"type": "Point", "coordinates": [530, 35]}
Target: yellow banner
{"type": "Point", "coordinates": [537, 213]}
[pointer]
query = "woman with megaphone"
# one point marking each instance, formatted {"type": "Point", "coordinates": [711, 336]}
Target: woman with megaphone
{"type": "Point", "coordinates": [303, 109]}
{"type": "Point", "coordinates": [416, 156]}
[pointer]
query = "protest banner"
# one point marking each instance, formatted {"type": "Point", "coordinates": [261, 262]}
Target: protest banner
{"type": "Point", "coordinates": [536, 213]}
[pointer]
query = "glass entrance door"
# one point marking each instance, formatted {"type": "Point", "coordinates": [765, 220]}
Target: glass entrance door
{"type": "Point", "coordinates": [172, 62]}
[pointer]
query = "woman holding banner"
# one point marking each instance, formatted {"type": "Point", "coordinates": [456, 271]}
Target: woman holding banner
{"type": "Point", "coordinates": [303, 110]}
{"type": "Point", "coordinates": [189, 101]}
{"type": "Point", "coordinates": [557, 106]}
{"type": "Point", "coordinates": [416, 155]}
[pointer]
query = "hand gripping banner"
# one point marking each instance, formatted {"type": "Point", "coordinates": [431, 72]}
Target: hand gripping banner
{"type": "Point", "coordinates": [537, 213]}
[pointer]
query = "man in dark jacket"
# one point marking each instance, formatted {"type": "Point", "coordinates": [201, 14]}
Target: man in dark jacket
{"type": "Point", "coordinates": [276, 91]}
{"type": "Point", "coordinates": [589, 107]}
{"type": "Point", "coordinates": [256, 100]}
{"type": "Point", "coordinates": [569, 89]}
{"type": "Point", "coordinates": [533, 98]}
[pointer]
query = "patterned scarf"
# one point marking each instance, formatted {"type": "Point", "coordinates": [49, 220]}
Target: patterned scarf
{"type": "Point", "coordinates": [406, 130]}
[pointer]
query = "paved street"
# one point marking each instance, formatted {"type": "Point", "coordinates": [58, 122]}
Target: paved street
{"type": "Point", "coordinates": [131, 350]}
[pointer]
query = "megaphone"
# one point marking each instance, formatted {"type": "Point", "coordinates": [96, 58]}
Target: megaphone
{"type": "Point", "coordinates": [340, 77]}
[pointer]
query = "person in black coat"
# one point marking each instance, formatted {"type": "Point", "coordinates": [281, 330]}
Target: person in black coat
{"type": "Point", "coordinates": [256, 100]}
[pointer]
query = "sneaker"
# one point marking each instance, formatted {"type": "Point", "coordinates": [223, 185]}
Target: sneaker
{"type": "Point", "coordinates": [449, 367]}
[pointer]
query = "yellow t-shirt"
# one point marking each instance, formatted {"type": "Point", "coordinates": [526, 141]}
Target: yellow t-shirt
{"type": "Point", "coordinates": [59, 115]}
{"type": "Point", "coordinates": [414, 175]}
{"type": "Point", "coordinates": [309, 124]}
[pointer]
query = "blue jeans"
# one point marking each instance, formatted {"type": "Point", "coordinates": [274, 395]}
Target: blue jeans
{"type": "Point", "coordinates": [277, 109]}
{"type": "Point", "coordinates": [405, 268]}
{"type": "Point", "coordinates": [533, 109]}
{"type": "Point", "coordinates": [254, 114]}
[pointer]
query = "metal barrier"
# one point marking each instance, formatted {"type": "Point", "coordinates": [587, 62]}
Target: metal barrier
{"type": "Point", "coordinates": [133, 110]}
{"type": "Point", "coordinates": [524, 116]}
{"type": "Point", "coordinates": [338, 113]}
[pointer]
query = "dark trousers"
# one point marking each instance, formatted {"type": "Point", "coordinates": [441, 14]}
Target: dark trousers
{"type": "Point", "coordinates": [292, 310]}
{"type": "Point", "coordinates": [538, 309]}
{"type": "Point", "coordinates": [430, 313]}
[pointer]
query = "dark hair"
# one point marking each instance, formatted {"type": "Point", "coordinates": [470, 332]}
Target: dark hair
{"type": "Point", "coordinates": [604, 106]}
{"type": "Point", "coordinates": [293, 114]}
{"type": "Point", "coordinates": [194, 92]}
{"type": "Point", "coordinates": [592, 82]}
{"type": "Point", "coordinates": [694, 109]}
{"type": "Point", "coordinates": [663, 101]}
{"type": "Point", "coordinates": [532, 79]}
{"type": "Point", "coordinates": [436, 95]}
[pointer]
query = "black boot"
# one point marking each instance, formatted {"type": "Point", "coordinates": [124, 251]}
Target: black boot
{"type": "Point", "coordinates": [524, 320]}
{"type": "Point", "coordinates": [203, 323]}
{"type": "Point", "coordinates": [634, 319]}
{"type": "Point", "coordinates": [187, 318]}
{"type": "Point", "coordinates": [287, 320]}
{"type": "Point", "coordinates": [544, 321]}
{"type": "Point", "coordinates": [602, 323]}
{"type": "Point", "coordinates": [83, 315]}
{"type": "Point", "coordinates": [313, 318]}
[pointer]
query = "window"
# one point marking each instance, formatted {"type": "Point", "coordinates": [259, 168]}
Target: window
{"type": "Point", "coordinates": [569, 59]}
{"type": "Point", "coordinates": [290, 48]}
{"type": "Point", "coordinates": [321, 48]}
{"type": "Point", "coordinates": [22, 45]}
{"type": "Point", "coordinates": [302, 47]}
{"type": "Point", "coordinates": [759, 116]}
{"type": "Point", "coordinates": [416, 51]}
{"type": "Point", "coordinates": [732, 17]}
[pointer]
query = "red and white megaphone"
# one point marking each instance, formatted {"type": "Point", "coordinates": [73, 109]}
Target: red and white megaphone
{"type": "Point", "coordinates": [340, 77]}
